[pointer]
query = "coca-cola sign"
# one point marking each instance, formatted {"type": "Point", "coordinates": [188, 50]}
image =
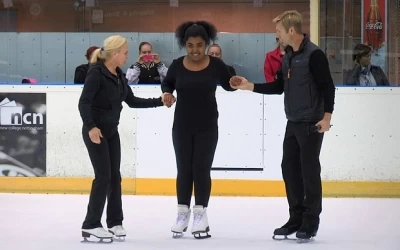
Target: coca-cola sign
{"type": "Point", "coordinates": [374, 26]}
{"type": "Point", "coordinates": [374, 23]}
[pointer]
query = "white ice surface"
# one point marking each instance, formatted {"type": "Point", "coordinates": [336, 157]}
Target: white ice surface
{"type": "Point", "coordinates": [53, 222]}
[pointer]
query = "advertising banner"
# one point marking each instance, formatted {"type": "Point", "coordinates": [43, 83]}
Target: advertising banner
{"type": "Point", "coordinates": [22, 134]}
{"type": "Point", "coordinates": [374, 30]}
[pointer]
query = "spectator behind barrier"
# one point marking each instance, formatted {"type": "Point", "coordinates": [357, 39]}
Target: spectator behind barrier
{"type": "Point", "coordinates": [148, 69]}
{"type": "Point", "coordinates": [29, 81]}
{"type": "Point", "coordinates": [81, 70]}
{"type": "Point", "coordinates": [273, 61]}
{"type": "Point", "coordinates": [216, 51]}
{"type": "Point", "coordinates": [363, 72]}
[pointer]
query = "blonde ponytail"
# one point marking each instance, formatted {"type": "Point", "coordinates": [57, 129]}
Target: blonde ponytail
{"type": "Point", "coordinates": [96, 55]}
{"type": "Point", "coordinates": [111, 44]}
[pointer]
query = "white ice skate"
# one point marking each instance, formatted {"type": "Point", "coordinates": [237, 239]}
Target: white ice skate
{"type": "Point", "coordinates": [99, 233]}
{"type": "Point", "coordinates": [118, 232]}
{"type": "Point", "coordinates": [200, 226]}
{"type": "Point", "coordinates": [182, 221]}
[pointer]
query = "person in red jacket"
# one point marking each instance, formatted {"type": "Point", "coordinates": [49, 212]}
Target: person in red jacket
{"type": "Point", "coordinates": [273, 61]}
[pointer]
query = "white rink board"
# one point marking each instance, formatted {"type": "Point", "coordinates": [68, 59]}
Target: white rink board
{"type": "Point", "coordinates": [155, 152]}
{"type": "Point", "coordinates": [237, 111]}
{"type": "Point", "coordinates": [364, 141]}
{"type": "Point", "coordinates": [274, 131]}
{"type": "Point", "coordinates": [362, 144]}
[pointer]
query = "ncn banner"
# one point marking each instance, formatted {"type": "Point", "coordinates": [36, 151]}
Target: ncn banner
{"type": "Point", "coordinates": [374, 30]}
{"type": "Point", "coordinates": [23, 134]}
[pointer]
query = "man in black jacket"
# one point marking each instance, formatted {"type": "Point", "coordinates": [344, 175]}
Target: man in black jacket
{"type": "Point", "coordinates": [309, 100]}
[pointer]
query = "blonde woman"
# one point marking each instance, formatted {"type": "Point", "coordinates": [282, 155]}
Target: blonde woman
{"type": "Point", "coordinates": [100, 106]}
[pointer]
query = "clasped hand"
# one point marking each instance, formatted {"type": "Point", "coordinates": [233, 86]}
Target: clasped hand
{"type": "Point", "coordinates": [239, 82]}
{"type": "Point", "coordinates": [168, 99]}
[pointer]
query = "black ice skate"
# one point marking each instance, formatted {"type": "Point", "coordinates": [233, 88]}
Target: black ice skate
{"type": "Point", "coordinates": [99, 233]}
{"type": "Point", "coordinates": [289, 228]}
{"type": "Point", "coordinates": [307, 232]}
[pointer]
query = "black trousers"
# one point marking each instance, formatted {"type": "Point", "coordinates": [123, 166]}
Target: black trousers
{"type": "Point", "coordinates": [106, 160]}
{"type": "Point", "coordinates": [301, 171]}
{"type": "Point", "coordinates": [194, 153]}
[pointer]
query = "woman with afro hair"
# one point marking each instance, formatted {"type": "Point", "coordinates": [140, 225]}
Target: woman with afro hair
{"type": "Point", "coordinates": [194, 77]}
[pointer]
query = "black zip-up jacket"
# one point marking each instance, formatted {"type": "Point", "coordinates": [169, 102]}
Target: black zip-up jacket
{"type": "Point", "coordinates": [100, 104]}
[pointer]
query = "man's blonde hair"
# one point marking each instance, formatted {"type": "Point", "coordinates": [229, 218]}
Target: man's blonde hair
{"type": "Point", "coordinates": [290, 18]}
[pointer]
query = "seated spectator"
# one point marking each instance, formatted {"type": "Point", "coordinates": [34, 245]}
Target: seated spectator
{"type": "Point", "coordinates": [81, 70]}
{"type": "Point", "coordinates": [216, 51]}
{"type": "Point", "coordinates": [148, 69]}
{"type": "Point", "coordinates": [29, 81]}
{"type": "Point", "coordinates": [363, 72]}
{"type": "Point", "coordinates": [273, 61]}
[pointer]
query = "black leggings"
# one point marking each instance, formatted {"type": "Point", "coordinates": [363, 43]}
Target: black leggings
{"type": "Point", "coordinates": [194, 153]}
{"type": "Point", "coordinates": [106, 160]}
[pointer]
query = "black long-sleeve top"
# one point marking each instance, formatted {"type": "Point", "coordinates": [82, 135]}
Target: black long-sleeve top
{"type": "Point", "coordinates": [196, 105]}
{"type": "Point", "coordinates": [80, 73]}
{"type": "Point", "coordinates": [319, 68]}
{"type": "Point", "coordinates": [101, 100]}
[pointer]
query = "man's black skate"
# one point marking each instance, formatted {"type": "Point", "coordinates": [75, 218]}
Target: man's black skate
{"type": "Point", "coordinates": [289, 228]}
{"type": "Point", "coordinates": [307, 232]}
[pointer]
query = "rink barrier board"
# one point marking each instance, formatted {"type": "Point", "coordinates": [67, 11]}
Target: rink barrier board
{"type": "Point", "coordinates": [351, 154]}
{"type": "Point", "coordinates": [166, 187]}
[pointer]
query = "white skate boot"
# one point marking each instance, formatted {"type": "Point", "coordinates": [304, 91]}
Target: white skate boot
{"type": "Point", "coordinates": [182, 221]}
{"type": "Point", "coordinates": [118, 232]}
{"type": "Point", "coordinates": [100, 233]}
{"type": "Point", "coordinates": [200, 223]}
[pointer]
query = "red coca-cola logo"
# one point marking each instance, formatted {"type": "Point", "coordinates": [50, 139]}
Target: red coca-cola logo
{"type": "Point", "coordinates": [374, 26]}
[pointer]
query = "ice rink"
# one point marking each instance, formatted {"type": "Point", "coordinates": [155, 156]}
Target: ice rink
{"type": "Point", "coordinates": [53, 222]}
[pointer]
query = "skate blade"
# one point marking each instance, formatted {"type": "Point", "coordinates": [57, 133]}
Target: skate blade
{"type": "Point", "coordinates": [302, 241]}
{"type": "Point", "coordinates": [87, 239]}
{"type": "Point", "coordinates": [177, 235]}
{"type": "Point", "coordinates": [98, 241]}
{"type": "Point", "coordinates": [200, 234]}
{"type": "Point", "coordinates": [282, 237]}
{"type": "Point", "coordinates": [120, 238]}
